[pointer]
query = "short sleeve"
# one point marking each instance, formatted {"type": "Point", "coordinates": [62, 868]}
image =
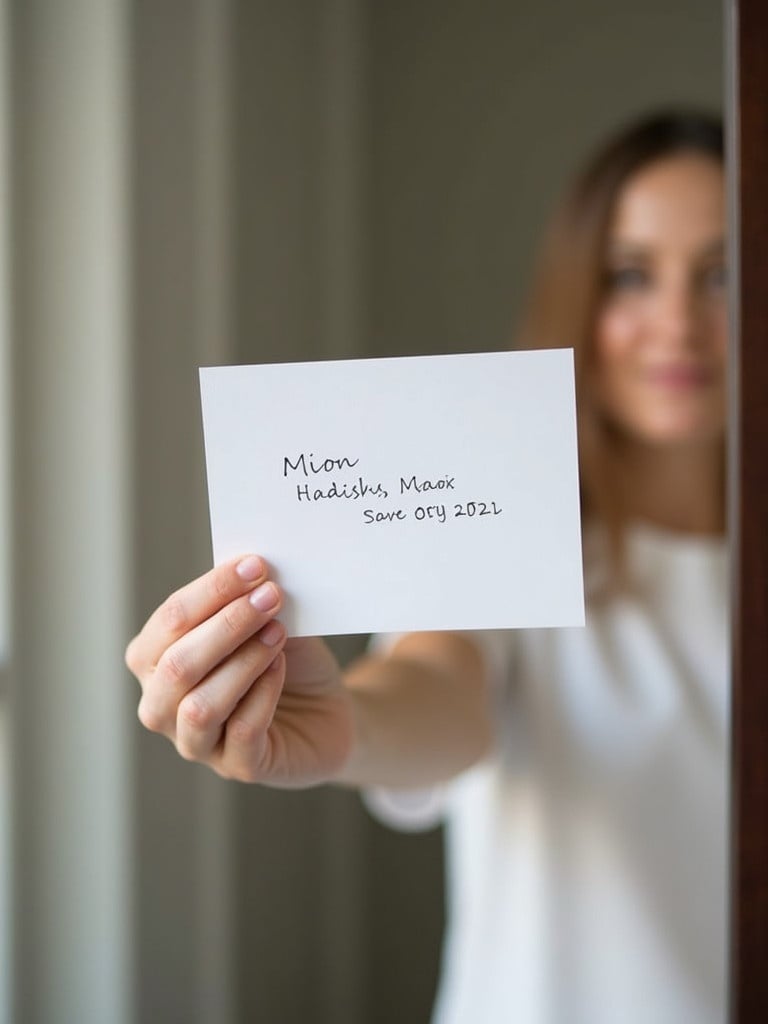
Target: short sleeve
{"type": "Point", "coordinates": [418, 810]}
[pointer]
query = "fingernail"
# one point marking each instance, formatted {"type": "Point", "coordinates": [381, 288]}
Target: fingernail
{"type": "Point", "coordinates": [264, 597]}
{"type": "Point", "coordinates": [272, 634]}
{"type": "Point", "coordinates": [250, 568]}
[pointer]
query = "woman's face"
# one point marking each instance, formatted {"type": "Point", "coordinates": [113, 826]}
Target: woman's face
{"type": "Point", "coordinates": [661, 332]}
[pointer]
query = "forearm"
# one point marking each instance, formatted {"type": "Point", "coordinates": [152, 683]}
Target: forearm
{"type": "Point", "coordinates": [420, 713]}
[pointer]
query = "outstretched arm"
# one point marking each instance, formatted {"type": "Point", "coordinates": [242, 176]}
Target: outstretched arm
{"type": "Point", "coordinates": [420, 712]}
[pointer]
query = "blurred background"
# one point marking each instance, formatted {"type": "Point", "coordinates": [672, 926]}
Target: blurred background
{"type": "Point", "coordinates": [193, 182]}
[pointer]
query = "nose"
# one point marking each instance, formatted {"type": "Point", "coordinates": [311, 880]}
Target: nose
{"type": "Point", "coordinates": [676, 315]}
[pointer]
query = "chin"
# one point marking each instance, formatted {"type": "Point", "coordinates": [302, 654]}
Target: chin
{"type": "Point", "coordinates": [680, 432]}
{"type": "Point", "coordinates": [678, 423]}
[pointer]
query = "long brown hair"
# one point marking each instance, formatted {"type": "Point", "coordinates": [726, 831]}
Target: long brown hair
{"type": "Point", "coordinates": [569, 284]}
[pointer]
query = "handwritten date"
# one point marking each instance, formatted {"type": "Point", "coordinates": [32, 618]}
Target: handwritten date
{"type": "Point", "coordinates": [436, 513]}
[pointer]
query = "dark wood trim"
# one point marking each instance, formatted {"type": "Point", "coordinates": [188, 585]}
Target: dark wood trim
{"type": "Point", "coordinates": [748, 506]}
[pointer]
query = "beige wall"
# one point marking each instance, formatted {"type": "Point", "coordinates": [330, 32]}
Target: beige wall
{"type": "Point", "coordinates": [478, 113]}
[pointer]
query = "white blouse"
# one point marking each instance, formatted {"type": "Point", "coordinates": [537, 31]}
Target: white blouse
{"type": "Point", "coordinates": [587, 858]}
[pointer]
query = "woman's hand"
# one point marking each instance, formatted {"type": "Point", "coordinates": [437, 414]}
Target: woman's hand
{"type": "Point", "coordinates": [221, 681]}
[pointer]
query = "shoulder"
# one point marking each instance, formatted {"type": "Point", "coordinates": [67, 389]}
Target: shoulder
{"type": "Point", "coordinates": [655, 561]}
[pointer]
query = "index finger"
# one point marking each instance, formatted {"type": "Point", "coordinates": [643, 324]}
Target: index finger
{"type": "Point", "coordinates": [192, 604]}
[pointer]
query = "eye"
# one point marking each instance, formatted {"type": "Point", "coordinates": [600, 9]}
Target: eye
{"type": "Point", "coordinates": [628, 278]}
{"type": "Point", "coordinates": [713, 278]}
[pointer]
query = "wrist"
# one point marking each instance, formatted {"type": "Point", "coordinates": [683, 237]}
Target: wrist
{"type": "Point", "coordinates": [352, 771]}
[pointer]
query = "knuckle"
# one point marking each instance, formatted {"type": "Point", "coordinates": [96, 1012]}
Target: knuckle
{"type": "Point", "coordinates": [149, 716]}
{"type": "Point", "coordinates": [220, 585]}
{"type": "Point", "coordinates": [196, 713]}
{"type": "Point", "coordinates": [225, 771]}
{"type": "Point", "coordinates": [174, 665]}
{"type": "Point", "coordinates": [249, 770]}
{"type": "Point", "coordinates": [244, 773]}
{"type": "Point", "coordinates": [131, 656]}
{"type": "Point", "coordinates": [234, 619]}
{"type": "Point", "coordinates": [173, 614]}
{"type": "Point", "coordinates": [243, 732]}
{"type": "Point", "coordinates": [250, 657]}
{"type": "Point", "coordinates": [186, 751]}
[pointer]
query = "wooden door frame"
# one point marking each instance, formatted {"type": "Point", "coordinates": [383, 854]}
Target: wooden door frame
{"type": "Point", "coordinates": [747, 115]}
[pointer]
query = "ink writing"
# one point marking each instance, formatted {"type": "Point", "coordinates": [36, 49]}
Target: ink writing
{"type": "Point", "coordinates": [444, 484]}
{"type": "Point", "coordinates": [307, 464]}
{"type": "Point", "coordinates": [358, 489]}
{"type": "Point", "coordinates": [341, 487]}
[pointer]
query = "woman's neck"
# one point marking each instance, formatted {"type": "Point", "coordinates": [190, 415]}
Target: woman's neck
{"type": "Point", "coordinates": [678, 488]}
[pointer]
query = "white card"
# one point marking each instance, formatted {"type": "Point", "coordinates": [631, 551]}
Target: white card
{"type": "Point", "coordinates": [388, 495]}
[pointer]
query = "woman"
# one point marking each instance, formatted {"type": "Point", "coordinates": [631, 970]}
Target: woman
{"type": "Point", "coordinates": [581, 772]}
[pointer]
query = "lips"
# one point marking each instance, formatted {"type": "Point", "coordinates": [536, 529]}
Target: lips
{"type": "Point", "coordinates": [681, 377]}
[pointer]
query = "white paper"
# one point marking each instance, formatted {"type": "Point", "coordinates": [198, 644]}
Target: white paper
{"type": "Point", "coordinates": [465, 463]}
